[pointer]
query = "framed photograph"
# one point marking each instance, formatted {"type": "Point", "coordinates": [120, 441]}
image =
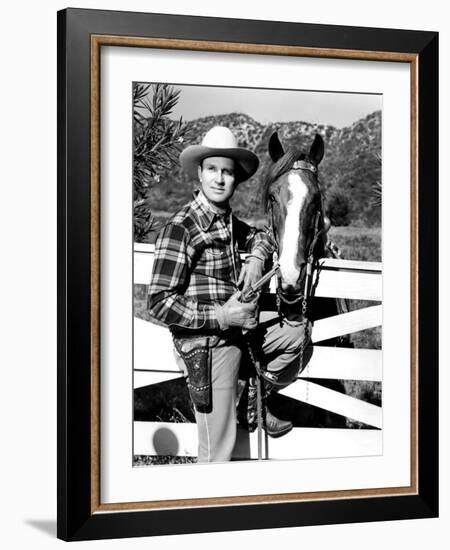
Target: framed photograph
{"type": "Point", "coordinates": [247, 286]}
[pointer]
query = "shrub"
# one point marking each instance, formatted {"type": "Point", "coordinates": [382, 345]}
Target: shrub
{"type": "Point", "coordinates": [338, 208]}
{"type": "Point", "coordinates": [157, 144]}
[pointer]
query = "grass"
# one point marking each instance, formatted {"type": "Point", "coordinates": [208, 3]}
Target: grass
{"type": "Point", "coordinates": [358, 243]}
{"type": "Point", "coordinates": [153, 460]}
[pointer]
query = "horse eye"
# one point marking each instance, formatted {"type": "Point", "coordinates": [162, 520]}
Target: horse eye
{"type": "Point", "coordinates": [271, 198]}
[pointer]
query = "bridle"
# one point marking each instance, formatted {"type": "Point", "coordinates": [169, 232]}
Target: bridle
{"type": "Point", "coordinates": [301, 296]}
{"type": "Point", "coordinates": [284, 297]}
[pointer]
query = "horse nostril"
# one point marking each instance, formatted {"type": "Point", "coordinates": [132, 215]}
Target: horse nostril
{"type": "Point", "coordinates": [290, 288]}
{"type": "Point", "coordinates": [286, 286]}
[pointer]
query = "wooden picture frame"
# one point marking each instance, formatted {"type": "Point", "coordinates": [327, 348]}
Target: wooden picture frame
{"type": "Point", "coordinates": [81, 35]}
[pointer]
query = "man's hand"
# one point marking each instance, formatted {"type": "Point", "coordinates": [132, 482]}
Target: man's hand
{"type": "Point", "coordinates": [237, 314]}
{"type": "Point", "coordinates": [251, 272]}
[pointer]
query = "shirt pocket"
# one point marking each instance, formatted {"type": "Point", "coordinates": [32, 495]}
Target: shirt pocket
{"type": "Point", "coordinates": [216, 261]}
{"type": "Point", "coordinates": [212, 252]}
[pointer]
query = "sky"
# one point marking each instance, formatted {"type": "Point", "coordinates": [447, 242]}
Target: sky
{"type": "Point", "coordinates": [330, 108]}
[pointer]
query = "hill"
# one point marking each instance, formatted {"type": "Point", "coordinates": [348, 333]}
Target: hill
{"type": "Point", "coordinates": [350, 166]}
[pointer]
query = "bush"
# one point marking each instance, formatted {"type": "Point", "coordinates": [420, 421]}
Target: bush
{"type": "Point", "coordinates": [157, 143]}
{"type": "Point", "coordinates": [338, 208]}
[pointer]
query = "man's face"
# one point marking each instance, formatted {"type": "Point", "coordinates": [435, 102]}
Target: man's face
{"type": "Point", "coordinates": [217, 179]}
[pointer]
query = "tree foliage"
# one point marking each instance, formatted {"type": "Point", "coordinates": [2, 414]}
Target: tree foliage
{"type": "Point", "coordinates": [338, 208]}
{"type": "Point", "coordinates": [158, 141]}
{"type": "Point", "coordinates": [377, 188]}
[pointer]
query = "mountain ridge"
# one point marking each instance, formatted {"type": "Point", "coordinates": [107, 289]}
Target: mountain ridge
{"type": "Point", "coordinates": [350, 168]}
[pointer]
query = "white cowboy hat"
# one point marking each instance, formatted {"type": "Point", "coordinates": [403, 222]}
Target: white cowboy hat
{"type": "Point", "coordinates": [219, 142]}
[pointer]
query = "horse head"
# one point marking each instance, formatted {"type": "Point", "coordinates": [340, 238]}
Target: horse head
{"type": "Point", "coordinates": [293, 201]}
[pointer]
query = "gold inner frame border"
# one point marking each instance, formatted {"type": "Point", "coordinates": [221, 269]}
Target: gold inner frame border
{"type": "Point", "coordinates": [97, 41]}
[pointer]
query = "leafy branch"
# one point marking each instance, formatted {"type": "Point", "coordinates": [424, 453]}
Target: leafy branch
{"type": "Point", "coordinates": [157, 143]}
{"type": "Point", "coordinates": [377, 187]}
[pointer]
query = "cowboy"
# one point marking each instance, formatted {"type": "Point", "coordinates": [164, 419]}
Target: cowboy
{"type": "Point", "coordinates": [195, 290]}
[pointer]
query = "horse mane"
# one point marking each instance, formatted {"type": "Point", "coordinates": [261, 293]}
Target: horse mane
{"type": "Point", "coordinates": [276, 170]}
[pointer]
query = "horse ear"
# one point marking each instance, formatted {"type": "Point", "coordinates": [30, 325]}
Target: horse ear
{"type": "Point", "coordinates": [317, 150]}
{"type": "Point", "coordinates": [276, 150]}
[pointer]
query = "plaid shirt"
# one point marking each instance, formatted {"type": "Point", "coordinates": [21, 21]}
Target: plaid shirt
{"type": "Point", "coordinates": [195, 265]}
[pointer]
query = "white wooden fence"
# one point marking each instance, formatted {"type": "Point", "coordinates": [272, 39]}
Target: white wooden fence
{"type": "Point", "coordinates": [154, 363]}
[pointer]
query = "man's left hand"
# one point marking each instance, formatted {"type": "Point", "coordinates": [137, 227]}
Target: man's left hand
{"type": "Point", "coordinates": [251, 272]}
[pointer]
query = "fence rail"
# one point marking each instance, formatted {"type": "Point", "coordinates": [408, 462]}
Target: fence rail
{"type": "Point", "coordinates": [154, 363]}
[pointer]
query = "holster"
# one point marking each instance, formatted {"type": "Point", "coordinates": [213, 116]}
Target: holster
{"type": "Point", "coordinates": [196, 354]}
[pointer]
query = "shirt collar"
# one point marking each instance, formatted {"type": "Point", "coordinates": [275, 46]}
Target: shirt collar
{"type": "Point", "coordinates": [205, 212]}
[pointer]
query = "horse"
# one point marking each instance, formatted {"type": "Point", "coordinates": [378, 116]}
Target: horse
{"type": "Point", "coordinates": [294, 205]}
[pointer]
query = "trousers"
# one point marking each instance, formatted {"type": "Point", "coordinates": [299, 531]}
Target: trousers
{"type": "Point", "coordinates": [281, 348]}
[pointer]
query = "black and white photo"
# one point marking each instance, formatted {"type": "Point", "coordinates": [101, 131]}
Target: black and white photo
{"type": "Point", "coordinates": [295, 177]}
